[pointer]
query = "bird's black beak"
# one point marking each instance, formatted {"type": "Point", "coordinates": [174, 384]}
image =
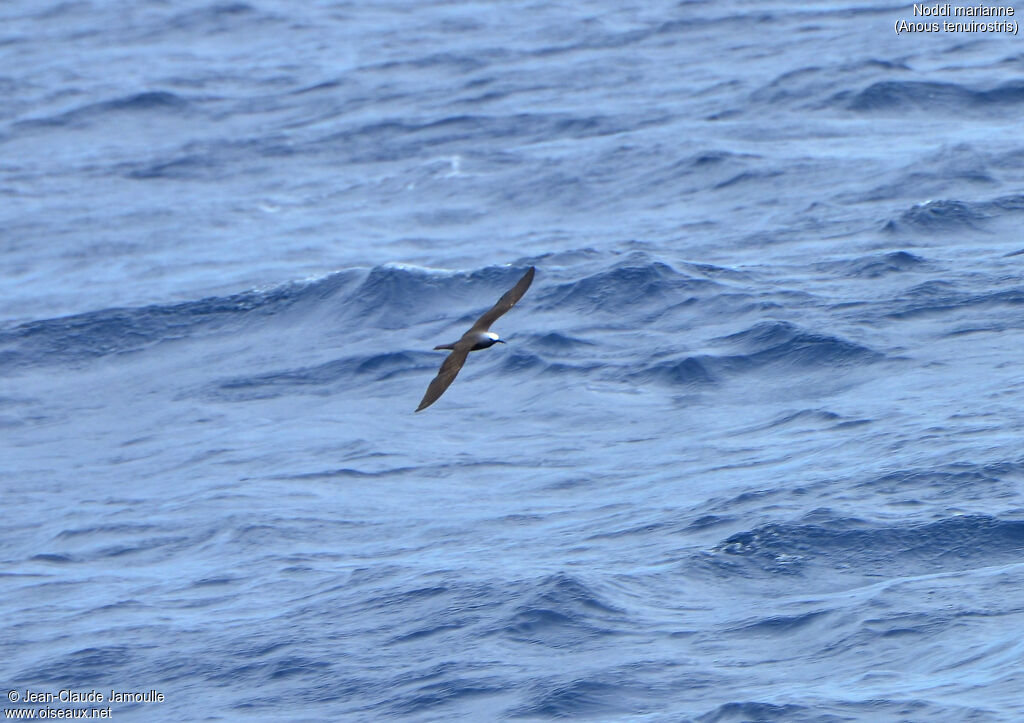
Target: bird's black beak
{"type": "Point", "coordinates": [499, 341]}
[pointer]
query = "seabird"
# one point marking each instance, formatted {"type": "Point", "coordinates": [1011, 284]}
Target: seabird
{"type": "Point", "coordinates": [478, 337]}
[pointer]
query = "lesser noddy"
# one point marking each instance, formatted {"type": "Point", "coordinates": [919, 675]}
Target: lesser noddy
{"type": "Point", "coordinates": [478, 337]}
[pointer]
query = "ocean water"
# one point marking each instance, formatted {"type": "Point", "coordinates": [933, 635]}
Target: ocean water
{"type": "Point", "coordinates": [753, 451]}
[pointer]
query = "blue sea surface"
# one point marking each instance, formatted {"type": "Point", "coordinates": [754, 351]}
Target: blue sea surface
{"type": "Point", "coordinates": [754, 450]}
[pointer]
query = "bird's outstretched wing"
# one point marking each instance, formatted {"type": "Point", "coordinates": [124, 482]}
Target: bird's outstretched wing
{"type": "Point", "coordinates": [505, 303]}
{"type": "Point", "coordinates": [446, 375]}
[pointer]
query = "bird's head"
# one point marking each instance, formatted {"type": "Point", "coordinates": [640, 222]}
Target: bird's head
{"type": "Point", "coordinates": [487, 339]}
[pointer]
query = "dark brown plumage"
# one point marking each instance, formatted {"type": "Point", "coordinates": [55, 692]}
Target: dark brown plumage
{"type": "Point", "coordinates": [478, 337]}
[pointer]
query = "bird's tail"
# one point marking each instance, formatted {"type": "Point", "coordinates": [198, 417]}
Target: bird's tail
{"type": "Point", "coordinates": [445, 346]}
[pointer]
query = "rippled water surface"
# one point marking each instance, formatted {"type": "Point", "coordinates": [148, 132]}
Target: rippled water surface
{"type": "Point", "coordinates": [752, 451]}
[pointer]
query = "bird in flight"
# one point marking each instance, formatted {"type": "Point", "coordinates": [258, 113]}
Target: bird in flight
{"type": "Point", "coordinates": [478, 337]}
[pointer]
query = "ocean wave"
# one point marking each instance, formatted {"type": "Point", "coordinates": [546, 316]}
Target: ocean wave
{"type": "Point", "coordinates": [954, 543]}
{"type": "Point", "coordinates": [965, 481]}
{"type": "Point", "coordinates": [144, 543]}
{"type": "Point", "coordinates": [777, 343]}
{"type": "Point", "coordinates": [711, 168]}
{"type": "Point", "coordinates": [209, 159]}
{"type": "Point", "coordinates": [614, 693]}
{"type": "Point", "coordinates": [820, 418]}
{"type": "Point", "coordinates": [912, 95]}
{"type": "Point", "coordinates": [74, 667]}
{"type": "Point", "coordinates": [401, 138]}
{"type": "Point", "coordinates": [940, 216]}
{"type": "Point", "coordinates": [876, 265]}
{"type": "Point", "coordinates": [320, 379]}
{"type": "Point", "coordinates": [148, 102]}
{"type": "Point", "coordinates": [559, 610]}
{"type": "Point", "coordinates": [95, 334]}
{"type": "Point", "coordinates": [815, 87]}
{"type": "Point", "coordinates": [215, 17]}
{"type": "Point", "coordinates": [939, 296]}
{"type": "Point", "coordinates": [940, 173]}
{"type": "Point", "coordinates": [740, 712]}
{"type": "Point", "coordinates": [624, 288]}
{"type": "Point", "coordinates": [689, 371]}
{"type": "Point", "coordinates": [397, 297]}
{"type": "Point", "coordinates": [778, 337]}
